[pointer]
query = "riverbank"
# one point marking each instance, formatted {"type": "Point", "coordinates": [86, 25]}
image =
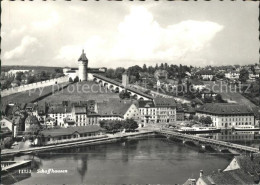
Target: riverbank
{"type": "Point", "coordinates": [111, 138]}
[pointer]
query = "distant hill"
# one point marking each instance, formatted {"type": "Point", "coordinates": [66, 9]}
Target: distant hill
{"type": "Point", "coordinates": [37, 68]}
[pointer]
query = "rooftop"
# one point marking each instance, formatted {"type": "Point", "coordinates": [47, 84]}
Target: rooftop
{"type": "Point", "coordinates": [164, 102]}
{"type": "Point", "coordinates": [225, 109]}
{"type": "Point", "coordinates": [250, 164]}
{"type": "Point", "coordinates": [71, 130]}
{"type": "Point", "coordinates": [229, 177]}
{"type": "Point", "coordinates": [83, 57]}
{"type": "Point", "coordinates": [114, 107]}
{"type": "Point", "coordinates": [146, 104]}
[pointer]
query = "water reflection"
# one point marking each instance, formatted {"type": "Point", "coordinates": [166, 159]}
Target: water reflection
{"type": "Point", "coordinates": [250, 138]}
{"type": "Point", "coordinates": [153, 160]}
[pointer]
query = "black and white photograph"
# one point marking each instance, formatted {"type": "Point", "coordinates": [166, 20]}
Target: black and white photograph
{"type": "Point", "coordinates": [130, 92]}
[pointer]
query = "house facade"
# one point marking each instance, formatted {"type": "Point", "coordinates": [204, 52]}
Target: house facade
{"type": "Point", "coordinates": [227, 115]}
{"type": "Point", "coordinates": [63, 135]}
{"type": "Point", "coordinates": [160, 110]}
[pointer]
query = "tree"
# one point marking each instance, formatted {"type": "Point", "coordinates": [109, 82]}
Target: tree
{"type": "Point", "coordinates": [196, 118]}
{"type": "Point", "coordinates": [191, 117]}
{"type": "Point", "coordinates": [134, 71]}
{"type": "Point", "coordinates": [118, 72]}
{"type": "Point", "coordinates": [161, 66]}
{"type": "Point", "coordinates": [208, 120]}
{"type": "Point", "coordinates": [33, 131]}
{"type": "Point", "coordinates": [8, 141]}
{"type": "Point", "coordinates": [131, 124]}
{"type": "Point", "coordinates": [58, 70]}
{"type": "Point", "coordinates": [110, 73]}
{"type": "Point", "coordinates": [124, 95]}
{"type": "Point", "coordinates": [76, 79]}
{"type": "Point", "coordinates": [201, 119]}
{"type": "Point", "coordinates": [244, 75]}
{"type": "Point", "coordinates": [18, 76]}
{"type": "Point", "coordinates": [220, 75]}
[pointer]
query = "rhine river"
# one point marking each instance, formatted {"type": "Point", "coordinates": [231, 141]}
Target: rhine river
{"type": "Point", "coordinates": [150, 160]}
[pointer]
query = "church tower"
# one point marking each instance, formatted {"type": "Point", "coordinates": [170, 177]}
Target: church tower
{"type": "Point", "coordinates": [83, 66]}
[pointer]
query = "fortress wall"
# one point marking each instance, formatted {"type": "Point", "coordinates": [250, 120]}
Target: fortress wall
{"type": "Point", "coordinates": [22, 88]}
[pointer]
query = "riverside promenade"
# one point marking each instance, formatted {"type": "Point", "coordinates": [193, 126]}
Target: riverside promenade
{"type": "Point", "coordinates": [144, 132]}
{"type": "Point", "coordinates": [92, 141]}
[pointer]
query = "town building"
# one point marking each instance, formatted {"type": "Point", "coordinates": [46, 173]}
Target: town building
{"type": "Point", "coordinates": [59, 112]}
{"type": "Point", "coordinates": [180, 114]}
{"type": "Point", "coordinates": [6, 128]}
{"type": "Point", "coordinates": [206, 74]}
{"type": "Point", "coordinates": [197, 84]}
{"type": "Point", "coordinates": [161, 74]}
{"type": "Point", "coordinates": [82, 116]}
{"type": "Point", "coordinates": [232, 74]}
{"type": "Point", "coordinates": [115, 109]}
{"type": "Point", "coordinates": [243, 169]}
{"type": "Point", "coordinates": [247, 163]}
{"type": "Point", "coordinates": [160, 110]}
{"type": "Point", "coordinates": [227, 115]}
{"type": "Point", "coordinates": [63, 135]}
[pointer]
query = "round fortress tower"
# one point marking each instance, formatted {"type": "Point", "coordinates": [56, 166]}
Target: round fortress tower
{"type": "Point", "coordinates": [83, 67]}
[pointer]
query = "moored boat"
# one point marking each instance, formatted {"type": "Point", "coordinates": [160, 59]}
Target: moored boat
{"type": "Point", "coordinates": [197, 130]}
{"type": "Point", "coordinates": [246, 128]}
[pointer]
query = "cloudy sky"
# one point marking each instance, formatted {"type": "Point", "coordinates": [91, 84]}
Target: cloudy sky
{"type": "Point", "coordinates": [126, 33]}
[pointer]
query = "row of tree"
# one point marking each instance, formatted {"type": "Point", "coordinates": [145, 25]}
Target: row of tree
{"type": "Point", "coordinates": [119, 125]}
{"type": "Point", "coordinates": [173, 71]}
{"type": "Point", "coordinates": [29, 77]}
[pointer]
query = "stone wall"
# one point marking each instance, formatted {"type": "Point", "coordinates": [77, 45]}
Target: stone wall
{"type": "Point", "coordinates": [27, 87]}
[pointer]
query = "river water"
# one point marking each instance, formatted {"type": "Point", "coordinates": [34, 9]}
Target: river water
{"type": "Point", "coordinates": [150, 160]}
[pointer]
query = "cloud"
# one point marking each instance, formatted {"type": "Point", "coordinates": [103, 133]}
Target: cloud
{"type": "Point", "coordinates": [18, 32]}
{"type": "Point", "coordinates": [28, 45]}
{"type": "Point", "coordinates": [140, 37]}
{"type": "Point", "coordinates": [52, 20]}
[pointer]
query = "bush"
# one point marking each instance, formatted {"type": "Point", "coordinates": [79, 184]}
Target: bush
{"type": "Point", "coordinates": [8, 142]}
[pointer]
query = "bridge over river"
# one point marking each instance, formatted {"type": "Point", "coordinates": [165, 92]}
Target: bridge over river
{"type": "Point", "coordinates": [210, 142]}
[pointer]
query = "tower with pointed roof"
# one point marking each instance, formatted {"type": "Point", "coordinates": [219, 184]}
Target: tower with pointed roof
{"type": "Point", "coordinates": [83, 67]}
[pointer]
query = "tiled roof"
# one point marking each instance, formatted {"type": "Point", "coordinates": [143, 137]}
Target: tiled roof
{"type": "Point", "coordinates": [71, 130]}
{"type": "Point", "coordinates": [164, 102]}
{"type": "Point", "coordinates": [250, 164]}
{"type": "Point", "coordinates": [146, 104]}
{"type": "Point", "coordinates": [114, 107]}
{"type": "Point", "coordinates": [225, 109]}
{"type": "Point", "coordinates": [55, 109]}
{"type": "Point", "coordinates": [80, 109]}
{"type": "Point", "coordinates": [229, 177]}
